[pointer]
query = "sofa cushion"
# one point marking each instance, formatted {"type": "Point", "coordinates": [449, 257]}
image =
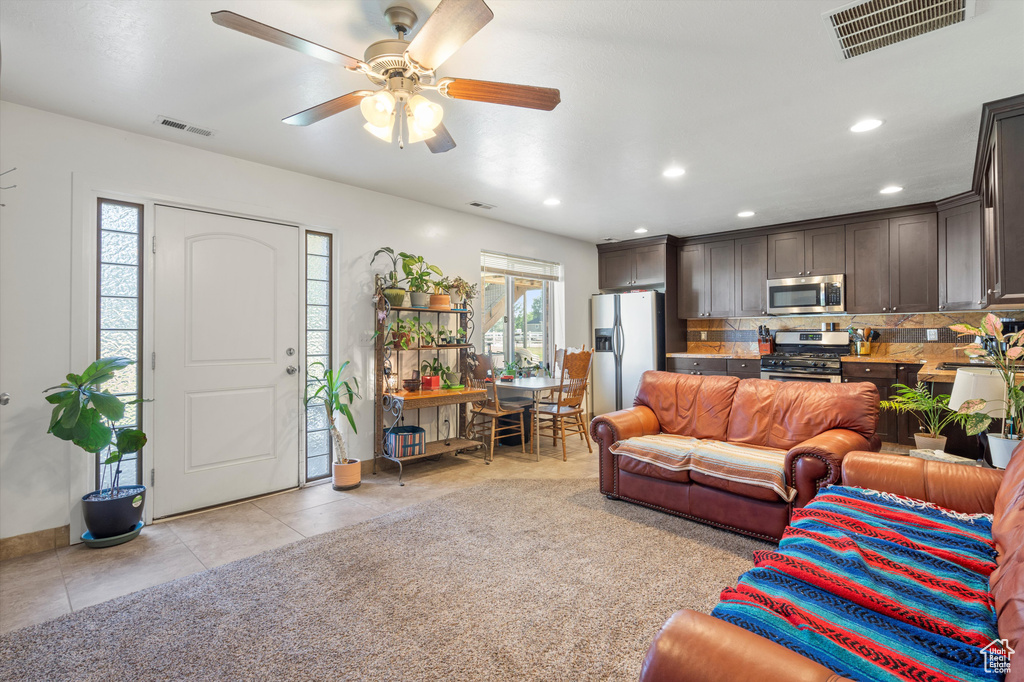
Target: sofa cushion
{"type": "Point", "coordinates": [687, 404]}
{"type": "Point", "coordinates": [802, 410]}
{"type": "Point", "coordinates": [875, 586]}
{"type": "Point", "coordinates": [1007, 580]}
{"type": "Point", "coordinates": [642, 468]}
{"type": "Point", "coordinates": [740, 468]}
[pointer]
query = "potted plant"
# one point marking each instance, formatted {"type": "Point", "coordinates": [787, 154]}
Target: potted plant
{"type": "Point", "coordinates": [392, 292]}
{"type": "Point", "coordinates": [1006, 353]}
{"type": "Point", "coordinates": [461, 336]}
{"type": "Point", "coordinates": [418, 273]}
{"type": "Point", "coordinates": [444, 336]}
{"type": "Point", "coordinates": [511, 368]}
{"type": "Point", "coordinates": [403, 333]}
{"type": "Point", "coordinates": [441, 299]}
{"type": "Point", "coordinates": [87, 415]}
{"type": "Point", "coordinates": [336, 393]}
{"type": "Point", "coordinates": [462, 291]}
{"type": "Point", "coordinates": [426, 333]}
{"type": "Point", "coordinates": [452, 378]}
{"type": "Point", "coordinates": [431, 371]}
{"type": "Point", "coordinates": [934, 414]}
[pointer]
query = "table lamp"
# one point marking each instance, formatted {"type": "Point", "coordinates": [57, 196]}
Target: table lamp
{"type": "Point", "coordinates": [973, 383]}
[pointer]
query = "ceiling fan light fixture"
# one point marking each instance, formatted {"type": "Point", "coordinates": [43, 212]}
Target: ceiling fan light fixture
{"type": "Point", "coordinates": [385, 132]}
{"type": "Point", "coordinates": [426, 114]}
{"type": "Point", "coordinates": [417, 133]}
{"type": "Point", "coordinates": [378, 109]}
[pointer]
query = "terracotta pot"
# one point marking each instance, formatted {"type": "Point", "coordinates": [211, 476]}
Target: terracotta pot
{"type": "Point", "coordinates": [348, 475]}
{"type": "Point", "coordinates": [419, 299]}
{"type": "Point", "coordinates": [440, 302]}
{"type": "Point", "coordinates": [1000, 449]}
{"type": "Point", "coordinates": [929, 441]}
{"type": "Point", "coordinates": [395, 296]}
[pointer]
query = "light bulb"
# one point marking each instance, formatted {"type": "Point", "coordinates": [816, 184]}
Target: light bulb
{"type": "Point", "coordinates": [378, 109]}
{"type": "Point", "coordinates": [384, 132]}
{"type": "Point", "coordinates": [427, 114]}
{"type": "Point", "coordinates": [417, 133]}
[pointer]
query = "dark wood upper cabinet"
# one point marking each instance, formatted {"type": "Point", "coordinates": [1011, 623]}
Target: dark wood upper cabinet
{"type": "Point", "coordinates": [785, 254]}
{"type": "Point", "coordinates": [913, 264]}
{"type": "Point", "coordinates": [999, 181]}
{"type": "Point", "coordinates": [825, 251]}
{"type": "Point", "coordinates": [751, 274]}
{"type": "Point", "coordinates": [691, 281]}
{"type": "Point", "coordinates": [649, 265]}
{"type": "Point", "coordinates": [867, 267]}
{"type": "Point", "coordinates": [615, 269]}
{"type": "Point", "coordinates": [719, 279]}
{"type": "Point", "coordinates": [961, 250]}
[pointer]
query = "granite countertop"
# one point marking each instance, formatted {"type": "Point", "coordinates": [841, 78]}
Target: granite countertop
{"type": "Point", "coordinates": [722, 356]}
{"type": "Point", "coordinates": [890, 359]}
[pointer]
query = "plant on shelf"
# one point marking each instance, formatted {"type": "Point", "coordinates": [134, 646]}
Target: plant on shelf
{"type": "Point", "coordinates": [404, 333]}
{"type": "Point", "coordinates": [419, 274]}
{"type": "Point", "coordinates": [336, 392]}
{"type": "Point", "coordinates": [392, 292]}
{"type": "Point", "coordinates": [431, 371]}
{"type": "Point", "coordinates": [462, 291]}
{"type": "Point", "coordinates": [90, 417]}
{"type": "Point", "coordinates": [461, 336]}
{"type": "Point", "coordinates": [451, 378]}
{"type": "Point", "coordinates": [426, 333]}
{"type": "Point", "coordinates": [934, 414]}
{"type": "Point", "coordinates": [1006, 353]}
{"type": "Point", "coordinates": [440, 299]}
{"type": "Point", "coordinates": [444, 336]}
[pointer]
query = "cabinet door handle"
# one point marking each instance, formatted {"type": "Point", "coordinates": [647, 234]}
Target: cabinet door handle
{"type": "Point", "coordinates": [884, 309]}
{"type": "Point", "coordinates": [867, 369]}
{"type": "Point", "coordinates": [894, 309]}
{"type": "Point", "coordinates": [743, 365]}
{"type": "Point", "coordinates": [991, 291]}
{"type": "Point", "coordinates": [901, 368]}
{"type": "Point", "coordinates": [696, 364]}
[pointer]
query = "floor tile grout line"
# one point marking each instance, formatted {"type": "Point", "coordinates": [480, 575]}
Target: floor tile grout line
{"type": "Point", "coordinates": [64, 580]}
{"type": "Point", "coordinates": [185, 545]}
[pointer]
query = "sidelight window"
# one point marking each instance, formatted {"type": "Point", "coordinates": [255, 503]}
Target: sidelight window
{"type": "Point", "coordinates": [318, 349]}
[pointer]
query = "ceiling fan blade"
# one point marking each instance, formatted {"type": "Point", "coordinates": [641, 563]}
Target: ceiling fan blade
{"type": "Point", "coordinates": [254, 28]}
{"type": "Point", "coordinates": [329, 108]}
{"type": "Point", "coordinates": [500, 93]}
{"type": "Point", "coordinates": [447, 29]}
{"type": "Point", "coordinates": [442, 140]}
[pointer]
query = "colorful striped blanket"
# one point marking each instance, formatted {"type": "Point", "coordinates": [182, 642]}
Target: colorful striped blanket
{"type": "Point", "coordinates": [875, 587]}
{"type": "Point", "coordinates": [761, 467]}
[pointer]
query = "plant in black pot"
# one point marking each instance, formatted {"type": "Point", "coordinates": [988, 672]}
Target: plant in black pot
{"type": "Point", "coordinates": [88, 416]}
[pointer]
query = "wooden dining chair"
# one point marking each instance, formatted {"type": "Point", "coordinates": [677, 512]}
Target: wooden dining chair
{"type": "Point", "coordinates": [566, 413]}
{"type": "Point", "coordinates": [490, 410]}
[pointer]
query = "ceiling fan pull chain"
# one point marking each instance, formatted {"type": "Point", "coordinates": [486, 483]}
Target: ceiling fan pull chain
{"type": "Point", "coordinates": [401, 127]}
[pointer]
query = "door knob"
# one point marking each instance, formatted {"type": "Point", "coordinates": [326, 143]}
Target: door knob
{"type": "Point", "coordinates": [292, 369]}
{"type": "Point", "coordinates": [5, 398]}
{"type": "Point", "coordinates": [290, 352]}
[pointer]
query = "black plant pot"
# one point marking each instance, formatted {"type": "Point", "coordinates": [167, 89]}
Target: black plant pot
{"type": "Point", "coordinates": [106, 517]}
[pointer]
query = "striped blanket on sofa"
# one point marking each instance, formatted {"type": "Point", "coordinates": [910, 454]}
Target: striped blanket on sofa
{"type": "Point", "coordinates": [875, 587]}
{"type": "Point", "coordinates": [749, 464]}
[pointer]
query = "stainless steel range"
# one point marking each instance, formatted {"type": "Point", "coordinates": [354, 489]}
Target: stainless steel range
{"type": "Point", "coordinates": [806, 356]}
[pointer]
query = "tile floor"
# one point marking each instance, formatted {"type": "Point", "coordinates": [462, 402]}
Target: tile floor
{"type": "Point", "coordinates": [46, 585]}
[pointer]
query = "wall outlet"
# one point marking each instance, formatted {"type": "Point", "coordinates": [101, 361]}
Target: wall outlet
{"type": "Point", "coordinates": [932, 334]}
{"type": "Point", "coordinates": [703, 336]}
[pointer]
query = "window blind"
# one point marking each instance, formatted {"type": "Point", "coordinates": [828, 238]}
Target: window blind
{"type": "Point", "coordinates": [505, 264]}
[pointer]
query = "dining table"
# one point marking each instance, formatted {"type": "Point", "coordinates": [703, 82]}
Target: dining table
{"type": "Point", "coordinates": [535, 386]}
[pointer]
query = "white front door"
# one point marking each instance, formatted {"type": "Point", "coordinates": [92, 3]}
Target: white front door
{"type": "Point", "coordinates": [226, 334]}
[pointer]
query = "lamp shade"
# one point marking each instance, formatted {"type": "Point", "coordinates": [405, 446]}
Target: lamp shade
{"type": "Point", "coordinates": [979, 383]}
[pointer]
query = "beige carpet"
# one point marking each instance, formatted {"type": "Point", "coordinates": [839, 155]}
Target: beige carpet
{"type": "Point", "coordinates": [510, 580]}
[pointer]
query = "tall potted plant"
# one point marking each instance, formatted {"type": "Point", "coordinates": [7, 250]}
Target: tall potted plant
{"type": "Point", "coordinates": [1006, 353]}
{"type": "Point", "coordinates": [392, 292]}
{"type": "Point", "coordinates": [418, 273]}
{"type": "Point", "coordinates": [88, 416]}
{"type": "Point", "coordinates": [336, 393]}
{"type": "Point", "coordinates": [462, 291]}
{"type": "Point", "coordinates": [934, 414]}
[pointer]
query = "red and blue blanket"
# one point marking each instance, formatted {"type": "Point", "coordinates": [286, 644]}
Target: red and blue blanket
{"type": "Point", "coordinates": [875, 587]}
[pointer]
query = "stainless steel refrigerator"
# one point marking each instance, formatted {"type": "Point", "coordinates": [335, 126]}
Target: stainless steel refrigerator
{"type": "Point", "coordinates": [628, 337]}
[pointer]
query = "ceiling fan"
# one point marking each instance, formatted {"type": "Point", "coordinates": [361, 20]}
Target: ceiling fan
{"type": "Point", "coordinates": [400, 70]}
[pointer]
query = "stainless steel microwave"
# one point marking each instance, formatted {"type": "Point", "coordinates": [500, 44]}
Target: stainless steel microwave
{"type": "Point", "coordinates": [821, 294]}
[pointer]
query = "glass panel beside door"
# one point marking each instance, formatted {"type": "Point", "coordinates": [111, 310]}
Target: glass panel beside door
{"type": "Point", "coordinates": [494, 314]}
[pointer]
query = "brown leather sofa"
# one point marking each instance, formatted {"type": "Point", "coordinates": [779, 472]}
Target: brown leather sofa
{"type": "Point", "coordinates": [813, 424]}
{"type": "Point", "coordinates": [694, 647]}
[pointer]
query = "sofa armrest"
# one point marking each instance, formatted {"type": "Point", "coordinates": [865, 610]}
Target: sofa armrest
{"type": "Point", "coordinates": [695, 647]}
{"type": "Point", "coordinates": [616, 426]}
{"type": "Point", "coordinates": [818, 461]}
{"type": "Point", "coordinates": [965, 489]}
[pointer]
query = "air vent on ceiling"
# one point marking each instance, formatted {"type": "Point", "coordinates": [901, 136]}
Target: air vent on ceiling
{"type": "Point", "coordinates": [862, 27]}
{"type": "Point", "coordinates": [181, 125]}
{"type": "Point", "coordinates": [480, 204]}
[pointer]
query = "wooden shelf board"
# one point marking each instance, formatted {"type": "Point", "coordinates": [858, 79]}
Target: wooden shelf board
{"type": "Point", "coordinates": [427, 310]}
{"type": "Point", "coordinates": [454, 346]}
{"type": "Point", "coordinates": [440, 447]}
{"type": "Point", "coordinates": [418, 399]}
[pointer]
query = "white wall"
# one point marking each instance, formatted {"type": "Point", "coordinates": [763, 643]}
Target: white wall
{"type": "Point", "coordinates": [57, 157]}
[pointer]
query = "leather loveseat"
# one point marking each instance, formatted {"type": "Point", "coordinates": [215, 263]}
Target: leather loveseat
{"type": "Point", "coordinates": [808, 426]}
{"type": "Point", "coordinates": [694, 647]}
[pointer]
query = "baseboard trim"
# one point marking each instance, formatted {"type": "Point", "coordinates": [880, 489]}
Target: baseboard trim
{"type": "Point", "coordinates": [37, 541]}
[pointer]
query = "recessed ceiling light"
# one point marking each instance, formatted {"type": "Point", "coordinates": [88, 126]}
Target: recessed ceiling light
{"type": "Point", "coordinates": [891, 189]}
{"type": "Point", "coordinates": [640, 230]}
{"type": "Point", "coordinates": [745, 214]}
{"type": "Point", "coordinates": [865, 125]}
{"type": "Point", "coordinates": [673, 172]}
{"type": "Point", "coordinates": [552, 201]}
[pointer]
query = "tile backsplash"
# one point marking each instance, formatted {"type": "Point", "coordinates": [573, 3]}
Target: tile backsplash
{"type": "Point", "coordinates": [901, 335]}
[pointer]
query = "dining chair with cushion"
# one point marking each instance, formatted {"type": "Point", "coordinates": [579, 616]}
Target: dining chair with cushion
{"type": "Point", "coordinates": [491, 410]}
{"type": "Point", "coordinates": [565, 414]}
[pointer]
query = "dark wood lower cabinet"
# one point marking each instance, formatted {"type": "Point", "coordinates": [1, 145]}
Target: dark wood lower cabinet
{"type": "Point", "coordinates": [883, 376]}
{"type": "Point", "coordinates": [906, 424]}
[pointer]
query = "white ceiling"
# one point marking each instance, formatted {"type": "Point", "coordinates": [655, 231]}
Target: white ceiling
{"type": "Point", "coordinates": [747, 96]}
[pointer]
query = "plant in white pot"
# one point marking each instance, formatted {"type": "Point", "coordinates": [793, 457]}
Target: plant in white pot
{"type": "Point", "coordinates": [336, 393]}
{"type": "Point", "coordinates": [933, 414]}
{"type": "Point", "coordinates": [419, 273]}
{"type": "Point", "coordinates": [89, 417]}
{"type": "Point", "coordinates": [1006, 353]}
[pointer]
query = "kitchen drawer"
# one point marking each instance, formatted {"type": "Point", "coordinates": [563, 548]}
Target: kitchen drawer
{"type": "Point", "coordinates": [711, 364]}
{"type": "Point", "coordinates": [735, 366]}
{"type": "Point", "coordinates": [702, 372]}
{"type": "Point", "coordinates": [869, 370]}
